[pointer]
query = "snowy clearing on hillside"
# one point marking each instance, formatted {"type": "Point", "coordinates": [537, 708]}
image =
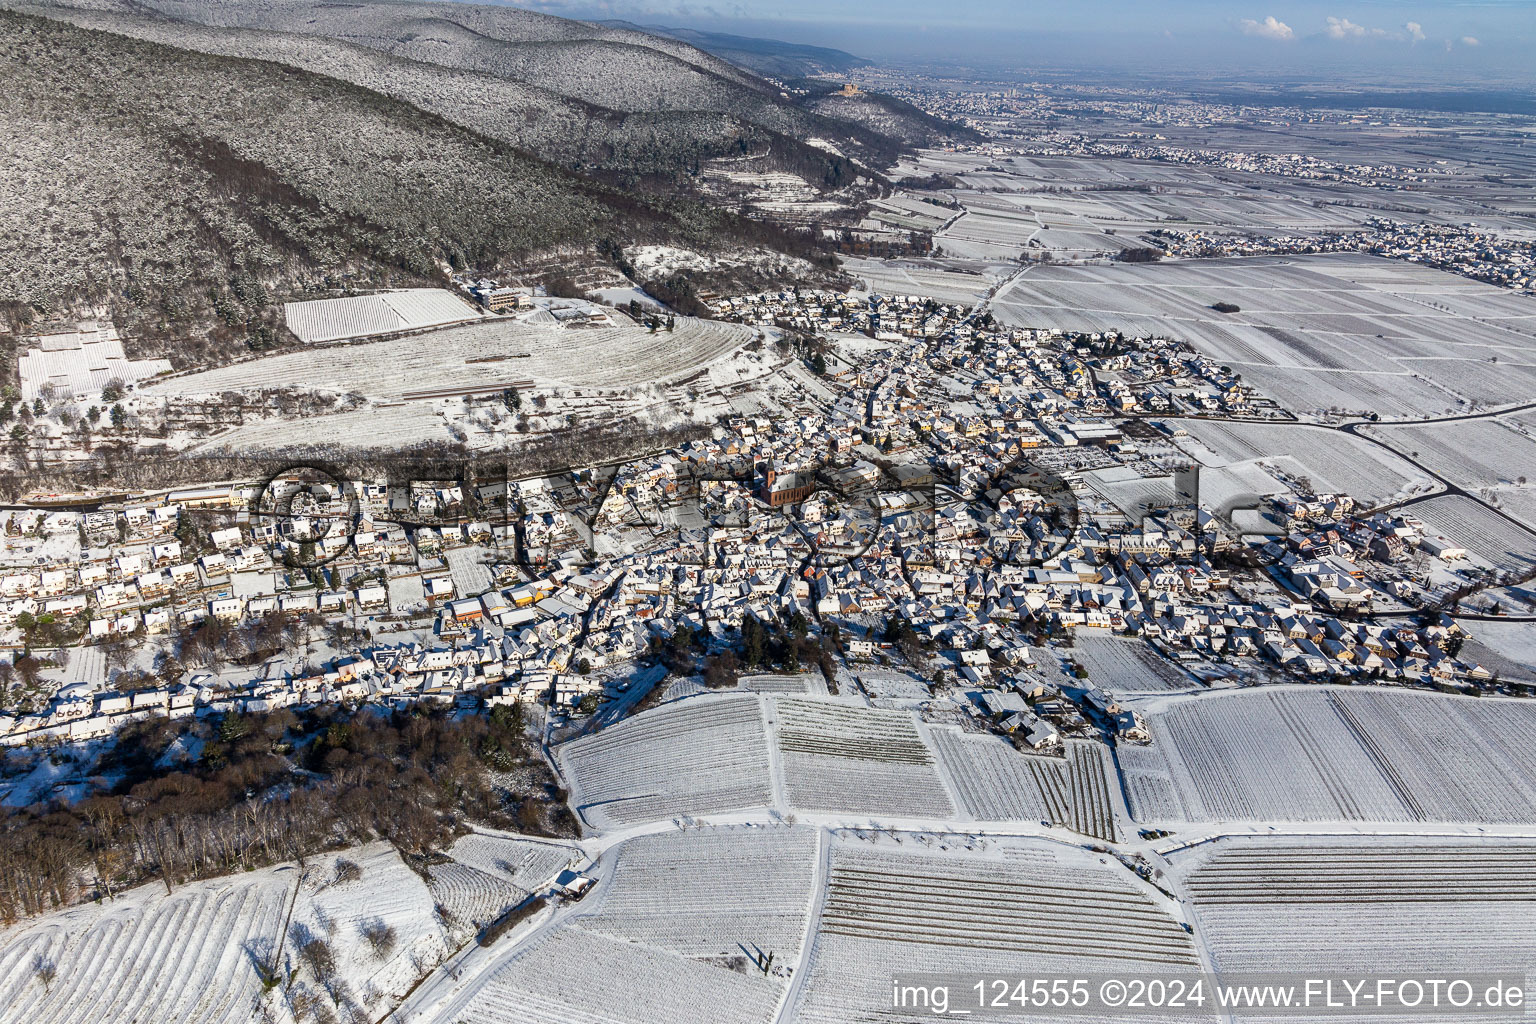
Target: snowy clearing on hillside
{"type": "Point", "coordinates": [1333, 754]}
{"type": "Point", "coordinates": [479, 356]}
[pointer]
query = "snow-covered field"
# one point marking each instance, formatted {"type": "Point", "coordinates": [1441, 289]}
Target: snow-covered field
{"type": "Point", "coordinates": [838, 757]}
{"type": "Point", "coordinates": [1329, 754]}
{"type": "Point", "coordinates": [1127, 665]}
{"type": "Point", "coordinates": [1491, 457]}
{"type": "Point", "coordinates": [931, 280]}
{"type": "Point", "coordinates": [192, 955]}
{"type": "Point", "coordinates": [1019, 908]}
{"type": "Point", "coordinates": [671, 933]}
{"type": "Point", "coordinates": [502, 350]}
{"type": "Point", "coordinates": [1364, 905]}
{"type": "Point", "coordinates": [1342, 332]}
{"type": "Point", "coordinates": [697, 756]}
{"type": "Point", "coordinates": [1488, 536]}
{"type": "Point", "coordinates": [1331, 460]}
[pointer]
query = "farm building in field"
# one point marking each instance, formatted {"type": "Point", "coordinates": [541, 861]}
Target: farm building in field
{"type": "Point", "coordinates": [363, 316]}
{"type": "Point", "coordinates": [81, 361]}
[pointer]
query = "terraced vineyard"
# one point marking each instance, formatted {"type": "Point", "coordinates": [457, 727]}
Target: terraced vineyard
{"type": "Point", "coordinates": [698, 756]}
{"type": "Point", "coordinates": [152, 957]}
{"type": "Point", "coordinates": [1333, 754]}
{"type": "Point", "coordinates": [710, 893]}
{"type": "Point", "coordinates": [917, 911]}
{"type": "Point", "coordinates": [472, 897]}
{"type": "Point", "coordinates": [1390, 904]}
{"type": "Point", "coordinates": [860, 760]}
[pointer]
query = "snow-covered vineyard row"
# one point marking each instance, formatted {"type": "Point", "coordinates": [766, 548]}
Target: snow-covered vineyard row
{"type": "Point", "coordinates": [708, 754]}
{"type": "Point", "coordinates": [1434, 871]}
{"type": "Point", "coordinates": [710, 893]}
{"type": "Point", "coordinates": [151, 957]}
{"type": "Point", "coordinates": [693, 757]}
{"type": "Point", "coordinates": [838, 757]}
{"type": "Point", "coordinates": [1088, 784]}
{"type": "Point", "coordinates": [1017, 910]}
{"type": "Point", "coordinates": [1359, 904]}
{"type": "Point", "coordinates": [679, 918]}
{"type": "Point", "coordinates": [1334, 754]}
{"type": "Point", "coordinates": [931, 902]}
{"type": "Point", "coordinates": [994, 782]}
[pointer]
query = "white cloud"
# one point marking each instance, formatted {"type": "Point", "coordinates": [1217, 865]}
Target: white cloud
{"type": "Point", "coordinates": [1415, 31]}
{"type": "Point", "coordinates": [1269, 28]}
{"type": "Point", "coordinates": [1343, 28]}
{"type": "Point", "coordinates": [1470, 41]}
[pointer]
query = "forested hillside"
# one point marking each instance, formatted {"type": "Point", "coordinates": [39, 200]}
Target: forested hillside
{"type": "Point", "coordinates": [176, 185]}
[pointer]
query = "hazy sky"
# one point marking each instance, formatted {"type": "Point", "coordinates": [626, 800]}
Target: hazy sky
{"type": "Point", "coordinates": [1454, 41]}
